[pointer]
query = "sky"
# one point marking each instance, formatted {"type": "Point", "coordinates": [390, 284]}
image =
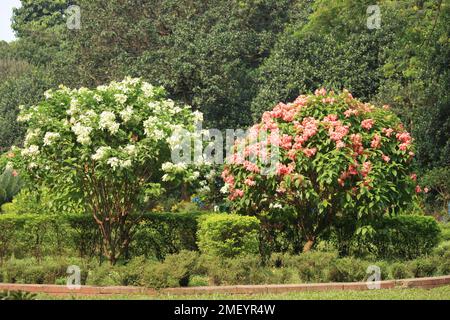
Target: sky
{"type": "Point", "coordinates": [6, 7]}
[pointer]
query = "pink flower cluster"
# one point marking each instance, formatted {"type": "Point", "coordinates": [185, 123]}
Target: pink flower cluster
{"type": "Point", "coordinates": [250, 182]}
{"type": "Point", "coordinates": [329, 100]}
{"type": "Point", "coordinates": [250, 166]}
{"type": "Point", "coordinates": [357, 143]}
{"type": "Point", "coordinates": [405, 139]}
{"type": "Point", "coordinates": [336, 130]}
{"type": "Point", "coordinates": [284, 111]}
{"type": "Point", "coordinates": [352, 171]}
{"type": "Point", "coordinates": [301, 101]}
{"type": "Point", "coordinates": [320, 92]}
{"type": "Point", "coordinates": [376, 141]}
{"type": "Point", "coordinates": [367, 124]}
{"type": "Point", "coordinates": [305, 130]}
{"type": "Point", "coordinates": [229, 180]}
{"type": "Point", "coordinates": [283, 170]}
{"type": "Point", "coordinates": [388, 131]}
{"type": "Point", "coordinates": [310, 152]}
{"type": "Point", "coordinates": [367, 167]}
{"type": "Point", "coordinates": [351, 112]}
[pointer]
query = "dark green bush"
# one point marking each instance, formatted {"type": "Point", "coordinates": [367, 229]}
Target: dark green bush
{"type": "Point", "coordinates": [160, 234]}
{"type": "Point", "coordinates": [228, 235]}
{"type": "Point", "coordinates": [403, 236]}
{"type": "Point", "coordinates": [39, 235]}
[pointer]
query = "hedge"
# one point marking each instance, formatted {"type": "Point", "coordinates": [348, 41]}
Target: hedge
{"type": "Point", "coordinates": [157, 235]}
{"type": "Point", "coordinates": [161, 234]}
{"type": "Point", "coordinates": [402, 236]}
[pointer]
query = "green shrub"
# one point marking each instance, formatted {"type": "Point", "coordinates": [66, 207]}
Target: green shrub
{"type": "Point", "coordinates": [444, 267]}
{"type": "Point", "coordinates": [161, 234]}
{"type": "Point", "coordinates": [47, 271]}
{"type": "Point", "coordinates": [403, 236]}
{"type": "Point", "coordinates": [228, 235]}
{"type": "Point", "coordinates": [105, 275]}
{"type": "Point", "coordinates": [347, 269]}
{"type": "Point", "coordinates": [39, 235]}
{"type": "Point", "coordinates": [175, 271]}
{"type": "Point", "coordinates": [445, 231]}
{"type": "Point", "coordinates": [310, 266]}
{"type": "Point", "coordinates": [400, 270]}
{"type": "Point", "coordinates": [425, 267]}
{"type": "Point", "coordinates": [243, 269]}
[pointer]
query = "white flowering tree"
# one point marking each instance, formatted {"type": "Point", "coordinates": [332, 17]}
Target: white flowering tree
{"type": "Point", "coordinates": [109, 147]}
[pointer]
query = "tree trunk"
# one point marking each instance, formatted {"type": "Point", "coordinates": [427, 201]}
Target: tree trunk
{"type": "Point", "coordinates": [308, 245]}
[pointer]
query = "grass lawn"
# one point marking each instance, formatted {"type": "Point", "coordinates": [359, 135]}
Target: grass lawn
{"type": "Point", "coordinates": [441, 293]}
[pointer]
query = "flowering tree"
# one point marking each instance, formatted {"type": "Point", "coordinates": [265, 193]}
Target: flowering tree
{"type": "Point", "coordinates": [108, 147]}
{"type": "Point", "coordinates": [334, 157]}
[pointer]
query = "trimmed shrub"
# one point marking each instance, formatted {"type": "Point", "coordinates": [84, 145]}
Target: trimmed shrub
{"type": "Point", "coordinates": [39, 235]}
{"type": "Point", "coordinates": [244, 269]}
{"type": "Point", "coordinates": [309, 267]}
{"type": "Point", "coordinates": [399, 270]}
{"type": "Point", "coordinates": [175, 271]}
{"type": "Point", "coordinates": [161, 234]}
{"type": "Point", "coordinates": [228, 235]}
{"type": "Point", "coordinates": [425, 267]}
{"type": "Point", "coordinates": [46, 271]}
{"type": "Point", "coordinates": [403, 236]}
{"type": "Point", "coordinates": [347, 269]}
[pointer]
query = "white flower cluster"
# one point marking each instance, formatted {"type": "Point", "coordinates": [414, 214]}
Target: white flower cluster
{"type": "Point", "coordinates": [31, 135]}
{"type": "Point", "coordinates": [108, 121]}
{"type": "Point", "coordinates": [198, 116]}
{"type": "Point", "coordinates": [151, 129]}
{"type": "Point", "coordinates": [115, 163]}
{"type": "Point", "coordinates": [48, 94]}
{"type": "Point", "coordinates": [101, 153]}
{"type": "Point", "coordinates": [148, 90]}
{"type": "Point", "coordinates": [50, 137]}
{"type": "Point", "coordinates": [82, 133]}
{"type": "Point", "coordinates": [31, 151]}
{"type": "Point", "coordinates": [174, 168]}
{"type": "Point", "coordinates": [130, 150]}
{"type": "Point", "coordinates": [126, 114]}
{"type": "Point", "coordinates": [74, 107]}
{"type": "Point", "coordinates": [120, 98]}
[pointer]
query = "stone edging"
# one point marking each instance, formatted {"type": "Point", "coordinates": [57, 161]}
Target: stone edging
{"type": "Point", "coordinates": [425, 283]}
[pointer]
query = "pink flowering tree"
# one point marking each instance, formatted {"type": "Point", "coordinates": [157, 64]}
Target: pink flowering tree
{"type": "Point", "coordinates": [324, 156]}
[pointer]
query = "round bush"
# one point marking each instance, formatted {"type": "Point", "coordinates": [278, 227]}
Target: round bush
{"type": "Point", "coordinates": [228, 235]}
{"type": "Point", "coordinates": [325, 156]}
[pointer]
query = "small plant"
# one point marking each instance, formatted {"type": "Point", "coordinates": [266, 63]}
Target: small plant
{"type": "Point", "coordinates": [17, 295]}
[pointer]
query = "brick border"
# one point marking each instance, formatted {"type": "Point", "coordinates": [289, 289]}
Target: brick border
{"type": "Point", "coordinates": [425, 283]}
